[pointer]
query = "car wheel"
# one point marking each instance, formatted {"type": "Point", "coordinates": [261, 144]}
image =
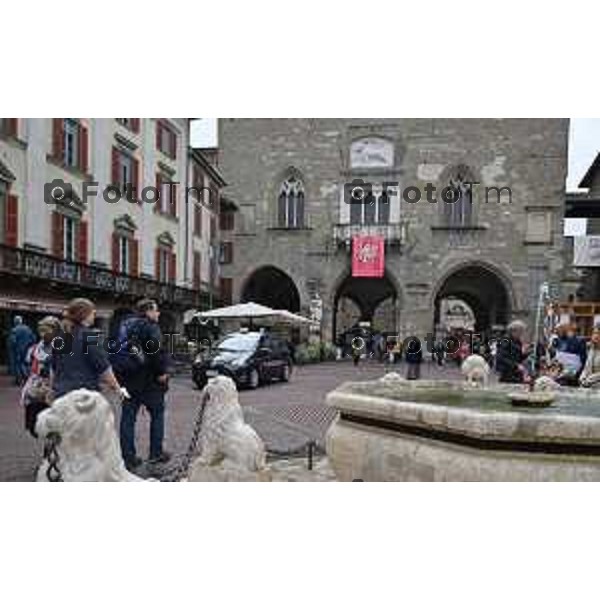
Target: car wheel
{"type": "Point", "coordinates": [253, 379]}
{"type": "Point", "coordinates": [285, 373]}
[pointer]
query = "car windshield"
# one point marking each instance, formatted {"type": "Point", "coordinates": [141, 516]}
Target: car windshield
{"type": "Point", "coordinates": [240, 342]}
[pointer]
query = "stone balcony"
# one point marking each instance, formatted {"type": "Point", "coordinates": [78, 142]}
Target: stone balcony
{"type": "Point", "coordinates": [33, 265]}
{"type": "Point", "coordinates": [394, 234]}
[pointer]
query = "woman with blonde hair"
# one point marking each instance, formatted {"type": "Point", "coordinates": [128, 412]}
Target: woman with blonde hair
{"type": "Point", "coordinates": [78, 358]}
{"type": "Point", "coordinates": [36, 395]}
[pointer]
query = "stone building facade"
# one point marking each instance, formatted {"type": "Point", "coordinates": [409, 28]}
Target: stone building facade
{"type": "Point", "coordinates": [583, 283]}
{"type": "Point", "coordinates": [113, 252]}
{"type": "Point", "coordinates": [295, 227]}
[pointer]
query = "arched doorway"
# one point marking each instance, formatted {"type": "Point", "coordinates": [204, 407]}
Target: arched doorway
{"type": "Point", "coordinates": [271, 287]}
{"type": "Point", "coordinates": [485, 293]}
{"type": "Point", "coordinates": [365, 299]}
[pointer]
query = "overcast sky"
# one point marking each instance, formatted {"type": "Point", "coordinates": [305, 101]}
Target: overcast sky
{"type": "Point", "coordinates": [584, 144]}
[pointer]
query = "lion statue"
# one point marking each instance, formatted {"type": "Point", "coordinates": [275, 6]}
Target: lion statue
{"type": "Point", "coordinates": [231, 449]}
{"type": "Point", "coordinates": [476, 370]}
{"type": "Point", "coordinates": [89, 449]}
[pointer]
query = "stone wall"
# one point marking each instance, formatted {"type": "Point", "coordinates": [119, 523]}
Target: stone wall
{"type": "Point", "coordinates": [528, 155]}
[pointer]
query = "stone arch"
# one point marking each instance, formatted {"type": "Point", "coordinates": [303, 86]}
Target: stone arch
{"type": "Point", "coordinates": [367, 294]}
{"type": "Point", "coordinates": [483, 286]}
{"type": "Point", "coordinates": [272, 287]}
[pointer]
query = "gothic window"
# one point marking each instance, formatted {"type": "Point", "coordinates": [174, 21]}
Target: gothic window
{"type": "Point", "coordinates": [290, 208]}
{"type": "Point", "coordinates": [458, 204]}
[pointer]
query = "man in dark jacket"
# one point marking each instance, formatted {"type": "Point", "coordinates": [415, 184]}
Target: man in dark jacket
{"type": "Point", "coordinates": [511, 355]}
{"type": "Point", "coordinates": [414, 358]}
{"type": "Point", "coordinates": [146, 385]}
{"type": "Point", "coordinates": [20, 340]}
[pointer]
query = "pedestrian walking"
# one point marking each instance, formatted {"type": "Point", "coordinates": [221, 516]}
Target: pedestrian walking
{"type": "Point", "coordinates": [78, 357]}
{"type": "Point", "coordinates": [414, 358]}
{"type": "Point", "coordinates": [20, 340]}
{"type": "Point", "coordinates": [439, 353]}
{"type": "Point", "coordinates": [511, 355]}
{"type": "Point", "coordinates": [145, 375]}
{"type": "Point", "coordinates": [37, 392]}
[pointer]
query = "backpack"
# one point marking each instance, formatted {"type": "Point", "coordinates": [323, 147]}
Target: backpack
{"type": "Point", "coordinates": [128, 356]}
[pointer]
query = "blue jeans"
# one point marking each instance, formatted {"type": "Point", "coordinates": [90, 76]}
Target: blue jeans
{"type": "Point", "coordinates": [154, 401]}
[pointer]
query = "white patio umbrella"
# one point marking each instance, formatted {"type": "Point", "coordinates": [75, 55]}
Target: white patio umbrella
{"type": "Point", "coordinates": [290, 317]}
{"type": "Point", "coordinates": [247, 310]}
{"type": "Point", "coordinates": [251, 311]}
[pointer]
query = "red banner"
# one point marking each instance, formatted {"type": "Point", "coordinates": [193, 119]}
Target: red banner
{"type": "Point", "coordinates": [368, 256]}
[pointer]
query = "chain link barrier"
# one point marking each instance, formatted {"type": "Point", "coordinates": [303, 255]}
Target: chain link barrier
{"type": "Point", "coordinates": [51, 443]}
{"type": "Point", "coordinates": [181, 470]}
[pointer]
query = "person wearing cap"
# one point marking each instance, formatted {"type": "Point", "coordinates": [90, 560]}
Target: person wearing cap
{"type": "Point", "coordinates": [146, 385]}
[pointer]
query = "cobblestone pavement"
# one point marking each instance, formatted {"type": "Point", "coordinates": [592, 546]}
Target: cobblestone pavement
{"type": "Point", "coordinates": [286, 415]}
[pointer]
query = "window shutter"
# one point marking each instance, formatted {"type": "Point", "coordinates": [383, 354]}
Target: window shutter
{"type": "Point", "coordinates": [158, 134]}
{"type": "Point", "coordinates": [12, 221]}
{"type": "Point", "coordinates": [197, 268]}
{"type": "Point", "coordinates": [137, 190]}
{"type": "Point", "coordinates": [134, 257]}
{"type": "Point", "coordinates": [82, 250]}
{"type": "Point", "coordinates": [172, 267]}
{"type": "Point", "coordinates": [115, 166]}
{"type": "Point", "coordinates": [58, 234]}
{"type": "Point", "coordinates": [12, 126]}
{"type": "Point", "coordinates": [197, 220]}
{"type": "Point", "coordinates": [115, 253]}
{"type": "Point", "coordinates": [226, 289]}
{"type": "Point", "coordinates": [173, 145]}
{"type": "Point", "coordinates": [173, 200]}
{"type": "Point", "coordinates": [83, 149]}
{"type": "Point", "coordinates": [157, 263]}
{"type": "Point", "coordinates": [58, 138]}
{"type": "Point", "coordinates": [159, 200]}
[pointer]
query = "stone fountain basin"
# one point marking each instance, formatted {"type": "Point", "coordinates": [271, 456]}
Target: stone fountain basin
{"type": "Point", "coordinates": [447, 431]}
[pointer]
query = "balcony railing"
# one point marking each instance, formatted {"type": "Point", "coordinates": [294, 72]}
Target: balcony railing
{"type": "Point", "coordinates": [392, 233]}
{"type": "Point", "coordinates": [37, 265]}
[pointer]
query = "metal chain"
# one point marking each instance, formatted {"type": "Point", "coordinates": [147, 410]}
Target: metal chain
{"type": "Point", "coordinates": [182, 469]}
{"type": "Point", "coordinates": [53, 472]}
{"type": "Point", "coordinates": [309, 449]}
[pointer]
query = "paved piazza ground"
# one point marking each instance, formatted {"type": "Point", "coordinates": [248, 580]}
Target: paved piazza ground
{"type": "Point", "coordinates": [286, 416]}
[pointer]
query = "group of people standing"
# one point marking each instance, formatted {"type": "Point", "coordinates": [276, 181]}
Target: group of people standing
{"type": "Point", "coordinates": [138, 375]}
{"type": "Point", "coordinates": [564, 356]}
